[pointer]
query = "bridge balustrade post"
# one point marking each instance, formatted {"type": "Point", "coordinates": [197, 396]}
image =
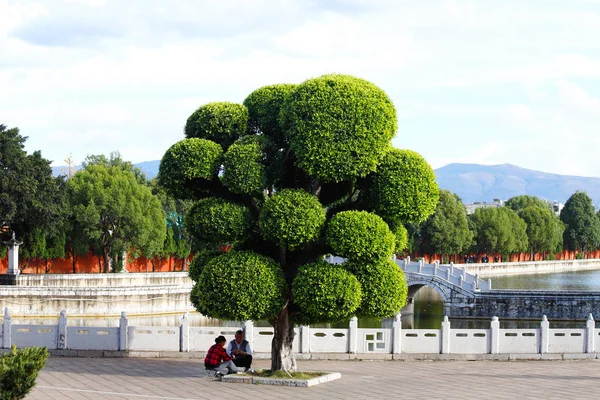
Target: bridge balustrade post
{"type": "Point", "coordinates": [544, 335]}
{"type": "Point", "coordinates": [464, 272]}
{"type": "Point", "coordinates": [407, 259]}
{"type": "Point", "coordinates": [405, 265]}
{"type": "Point", "coordinates": [489, 284]}
{"type": "Point", "coordinates": [184, 334]}
{"type": "Point", "coordinates": [62, 330]}
{"type": "Point", "coordinates": [451, 268]}
{"type": "Point", "coordinates": [495, 336]}
{"type": "Point", "coordinates": [590, 329]}
{"type": "Point", "coordinates": [304, 339]}
{"type": "Point", "coordinates": [460, 281]}
{"type": "Point", "coordinates": [397, 334]}
{"type": "Point", "coordinates": [435, 268]}
{"type": "Point", "coordinates": [421, 266]}
{"type": "Point", "coordinates": [123, 328]}
{"type": "Point", "coordinates": [6, 330]}
{"type": "Point", "coordinates": [448, 274]}
{"type": "Point", "coordinates": [446, 335]}
{"type": "Point", "coordinates": [353, 336]}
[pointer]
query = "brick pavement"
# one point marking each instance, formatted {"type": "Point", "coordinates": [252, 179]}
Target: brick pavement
{"type": "Point", "coordinates": [169, 379]}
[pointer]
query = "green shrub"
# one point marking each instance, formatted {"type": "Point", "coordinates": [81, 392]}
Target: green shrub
{"type": "Point", "coordinates": [19, 370]}
{"type": "Point", "coordinates": [199, 261]}
{"type": "Point", "coordinates": [217, 221]}
{"type": "Point", "coordinates": [360, 235]}
{"type": "Point", "coordinates": [401, 242]}
{"type": "Point", "coordinates": [186, 161]}
{"type": "Point", "coordinates": [325, 293]}
{"type": "Point", "coordinates": [240, 286]}
{"type": "Point", "coordinates": [244, 172]}
{"type": "Point", "coordinates": [579, 256]}
{"type": "Point", "coordinates": [339, 126]}
{"type": "Point", "coordinates": [404, 189]}
{"type": "Point", "coordinates": [292, 218]}
{"type": "Point", "coordinates": [383, 285]}
{"type": "Point", "coordinates": [264, 107]}
{"type": "Point", "coordinates": [221, 122]}
{"type": "Point", "coordinates": [550, 257]}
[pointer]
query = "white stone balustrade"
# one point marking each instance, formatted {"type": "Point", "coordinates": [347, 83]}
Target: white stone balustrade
{"type": "Point", "coordinates": [391, 338]}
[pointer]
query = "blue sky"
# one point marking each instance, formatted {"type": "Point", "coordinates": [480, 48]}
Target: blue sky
{"type": "Point", "coordinates": [479, 81]}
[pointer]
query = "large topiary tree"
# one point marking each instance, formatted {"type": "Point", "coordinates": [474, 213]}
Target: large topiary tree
{"type": "Point", "coordinates": [311, 175]}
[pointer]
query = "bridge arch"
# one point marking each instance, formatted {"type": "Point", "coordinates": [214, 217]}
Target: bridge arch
{"type": "Point", "coordinates": [414, 284]}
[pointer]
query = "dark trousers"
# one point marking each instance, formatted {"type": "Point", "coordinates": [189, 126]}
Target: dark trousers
{"type": "Point", "coordinates": [243, 361]}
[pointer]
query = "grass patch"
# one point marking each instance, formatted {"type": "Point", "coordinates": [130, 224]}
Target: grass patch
{"type": "Point", "coordinates": [267, 373]}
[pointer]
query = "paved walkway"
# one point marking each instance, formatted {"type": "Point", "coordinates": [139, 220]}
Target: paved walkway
{"type": "Point", "coordinates": [121, 378]}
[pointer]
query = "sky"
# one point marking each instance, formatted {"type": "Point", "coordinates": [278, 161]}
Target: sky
{"type": "Point", "coordinates": [481, 81]}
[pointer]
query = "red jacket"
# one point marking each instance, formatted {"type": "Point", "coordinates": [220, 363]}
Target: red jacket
{"type": "Point", "coordinates": [216, 355]}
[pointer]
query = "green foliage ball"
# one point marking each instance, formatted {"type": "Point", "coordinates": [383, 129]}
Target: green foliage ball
{"type": "Point", "coordinates": [19, 370]}
{"type": "Point", "coordinates": [187, 161]}
{"type": "Point", "coordinates": [325, 293]}
{"type": "Point", "coordinates": [221, 122]}
{"type": "Point", "coordinates": [360, 235]}
{"type": "Point", "coordinates": [383, 285]}
{"type": "Point", "coordinates": [201, 258]}
{"type": "Point", "coordinates": [264, 107]}
{"type": "Point", "coordinates": [339, 126]}
{"type": "Point", "coordinates": [244, 172]}
{"type": "Point", "coordinates": [239, 286]}
{"type": "Point", "coordinates": [217, 221]}
{"type": "Point", "coordinates": [292, 218]}
{"type": "Point", "coordinates": [404, 189]}
{"type": "Point", "coordinates": [401, 242]}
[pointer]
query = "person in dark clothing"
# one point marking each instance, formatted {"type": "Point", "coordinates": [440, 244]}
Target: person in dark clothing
{"type": "Point", "coordinates": [240, 349]}
{"type": "Point", "coordinates": [218, 359]}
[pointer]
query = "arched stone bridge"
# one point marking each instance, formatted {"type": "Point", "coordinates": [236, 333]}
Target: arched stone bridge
{"type": "Point", "coordinates": [466, 295]}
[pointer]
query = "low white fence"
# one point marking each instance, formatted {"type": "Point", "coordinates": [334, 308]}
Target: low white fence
{"type": "Point", "coordinates": [392, 339]}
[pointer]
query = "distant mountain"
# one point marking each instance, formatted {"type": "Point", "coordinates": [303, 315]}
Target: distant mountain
{"type": "Point", "coordinates": [150, 168]}
{"type": "Point", "coordinates": [475, 182]}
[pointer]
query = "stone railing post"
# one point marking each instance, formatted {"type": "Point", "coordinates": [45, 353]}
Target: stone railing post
{"type": "Point", "coordinates": [451, 268]}
{"type": "Point", "coordinates": [495, 336]}
{"type": "Point", "coordinates": [397, 334]}
{"type": "Point", "coordinates": [544, 335]}
{"type": "Point", "coordinates": [353, 336]}
{"type": "Point", "coordinates": [62, 330]}
{"type": "Point", "coordinates": [590, 329]}
{"type": "Point", "coordinates": [304, 339]}
{"type": "Point", "coordinates": [249, 333]}
{"type": "Point", "coordinates": [460, 281]}
{"type": "Point", "coordinates": [446, 335]}
{"type": "Point", "coordinates": [421, 266]}
{"type": "Point", "coordinates": [407, 259]}
{"type": "Point", "coordinates": [404, 265]}
{"type": "Point", "coordinates": [123, 328]}
{"type": "Point", "coordinates": [184, 333]}
{"type": "Point", "coordinates": [435, 268]}
{"type": "Point", "coordinates": [464, 273]}
{"type": "Point", "coordinates": [489, 284]}
{"type": "Point", "coordinates": [6, 330]}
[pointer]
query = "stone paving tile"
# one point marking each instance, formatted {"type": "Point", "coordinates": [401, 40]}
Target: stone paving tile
{"type": "Point", "coordinates": [135, 379]}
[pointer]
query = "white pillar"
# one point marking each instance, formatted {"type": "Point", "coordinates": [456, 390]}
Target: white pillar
{"type": "Point", "coordinates": [397, 334]}
{"type": "Point", "coordinates": [304, 339]}
{"type": "Point", "coordinates": [590, 329]}
{"type": "Point", "coordinates": [13, 255]}
{"type": "Point", "coordinates": [495, 336]}
{"type": "Point", "coordinates": [249, 333]}
{"type": "Point", "coordinates": [123, 327]}
{"type": "Point", "coordinates": [184, 333]}
{"type": "Point", "coordinates": [62, 330]}
{"type": "Point", "coordinates": [353, 336]}
{"type": "Point", "coordinates": [6, 330]}
{"type": "Point", "coordinates": [445, 335]}
{"type": "Point", "coordinates": [544, 335]}
{"type": "Point", "coordinates": [489, 284]}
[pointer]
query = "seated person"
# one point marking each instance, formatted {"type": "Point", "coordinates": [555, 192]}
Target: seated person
{"type": "Point", "coordinates": [218, 359]}
{"type": "Point", "coordinates": [240, 350]}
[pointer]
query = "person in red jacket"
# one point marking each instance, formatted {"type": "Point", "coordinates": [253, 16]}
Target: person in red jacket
{"type": "Point", "coordinates": [217, 358]}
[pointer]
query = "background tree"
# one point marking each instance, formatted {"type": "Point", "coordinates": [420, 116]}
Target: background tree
{"type": "Point", "coordinates": [518, 203]}
{"type": "Point", "coordinates": [498, 230]}
{"type": "Point", "coordinates": [582, 227]}
{"type": "Point", "coordinates": [544, 229]}
{"type": "Point", "coordinates": [116, 211]}
{"type": "Point", "coordinates": [447, 230]}
{"type": "Point", "coordinates": [329, 140]}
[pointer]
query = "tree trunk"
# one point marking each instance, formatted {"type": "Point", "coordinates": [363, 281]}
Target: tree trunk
{"type": "Point", "coordinates": [282, 356]}
{"type": "Point", "coordinates": [107, 260]}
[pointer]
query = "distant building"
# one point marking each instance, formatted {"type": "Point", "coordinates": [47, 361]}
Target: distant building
{"type": "Point", "coordinates": [557, 207]}
{"type": "Point", "coordinates": [472, 207]}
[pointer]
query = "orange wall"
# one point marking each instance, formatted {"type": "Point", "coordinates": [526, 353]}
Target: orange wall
{"type": "Point", "coordinates": [516, 257]}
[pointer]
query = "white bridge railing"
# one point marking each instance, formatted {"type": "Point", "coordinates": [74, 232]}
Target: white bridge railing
{"type": "Point", "coordinates": [390, 339]}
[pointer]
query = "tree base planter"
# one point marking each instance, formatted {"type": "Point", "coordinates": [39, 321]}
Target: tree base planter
{"type": "Point", "coordinates": [256, 380]}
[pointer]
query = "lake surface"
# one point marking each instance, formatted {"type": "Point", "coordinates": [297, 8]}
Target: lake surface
{"type": "Point", "coordinates": [428, 311]}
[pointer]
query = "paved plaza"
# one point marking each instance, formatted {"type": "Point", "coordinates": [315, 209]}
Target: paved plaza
{"type": "Point", "coordinates": [134, 378]}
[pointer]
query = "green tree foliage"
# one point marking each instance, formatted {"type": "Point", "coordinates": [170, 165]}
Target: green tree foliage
{"type": "Point", "coordinates": [447, 230]}
{"type": "Point", "coordinates": [360, 235]}
{"type": "Point", "coordinates": [339, 126]}
{"type": "Point", "coordinates": [240, 286]}
{"type": "Point", "coordinates": [201, 258]}
{"type": "Point", "coordinates": [401, 243]}
{"type": "Point", "coordinates": [264, 108]}
{"type": "Point", "coordinates": [19, 370]}
{"type": "Point", "coordinates": [518, 203]}
{"type": "Point", "coordinates": [319, 163]}
{"type": "Point", "coordinates": [403, 190]}
{"type": "Point", "coordinates": [116, 212]}
{"type": "Point", "coordinates": [221, 122]}
{"type": "Point", "coordinates": [326, 293]}
{"type": "Point", "coordinates": [582, 232]}
{"type": "Point", "coordinates": [498, 230]}
{"type": "Point", "coordinates": [544, 228]}
{"type": "Point", "coordinates": [292, 218]}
